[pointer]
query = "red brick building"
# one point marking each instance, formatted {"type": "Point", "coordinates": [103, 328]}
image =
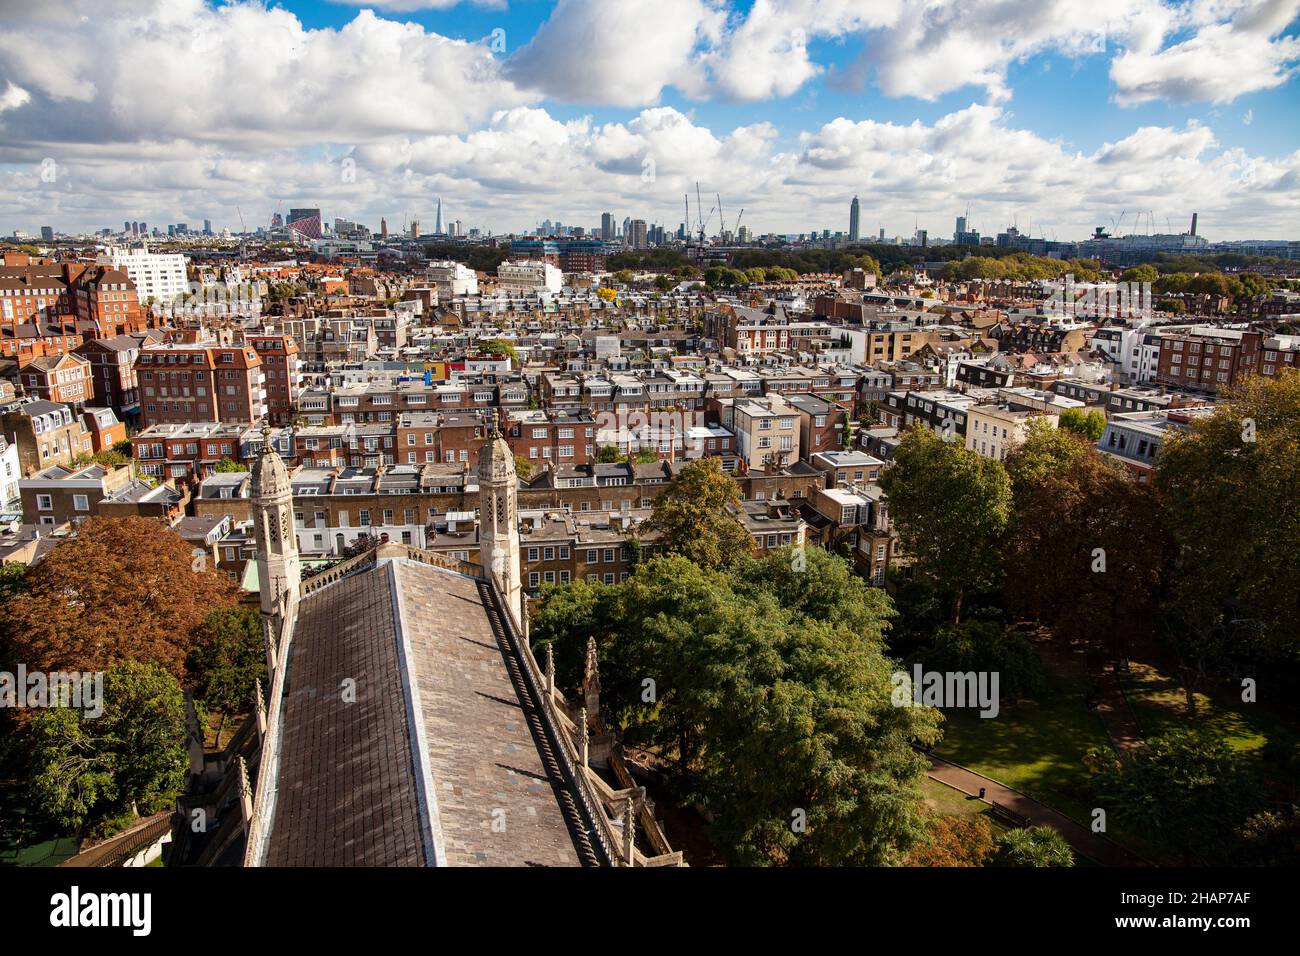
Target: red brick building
{"type": "Point", "coordinates": [279, 354]}
{"type": "Point", "coordinates": [63, 379]}
{"type": "Point", "coordinates": [1208, 359]}
{"type": "Point", "coordinates": [113, 374]}
{"type": "Point", "coordinates": [48, 308]}
{"type": "Point", "coordinates": [201, 383]}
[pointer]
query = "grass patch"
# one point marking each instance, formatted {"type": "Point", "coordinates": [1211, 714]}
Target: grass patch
{"type": "Point", "coordinates": [1160, 705]}
{"type": "Point", "coordinates": [949, 802]}
{"type": "Point", "coordinates": [1034, 746]}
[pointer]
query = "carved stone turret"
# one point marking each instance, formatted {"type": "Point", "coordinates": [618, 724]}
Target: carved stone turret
{"type": "Point", "coordinates": [498, 489]}
{"type": "Point", "coordinates": [278, 568]}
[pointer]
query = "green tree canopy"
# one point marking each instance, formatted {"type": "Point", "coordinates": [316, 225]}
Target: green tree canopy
{"type": "Point", "coordinates": [1045, 450]}
{"type": "Point", "coordinates": [692, 518]}
{"type": "Point", "coordinates": [1189, 792]}
{"type": "Point", "coordinates": [1090, 424]}
{"type": "Point", "coordinates": [1229, 487]}
{"type": "Point", "coordinates": [130, 757]}
{"type": "Point", "coordinates": [951, 509]}
{"type": "Point", "coordinates": [773, 712]}
{"type": "Point", "coordinates": [227, 662]}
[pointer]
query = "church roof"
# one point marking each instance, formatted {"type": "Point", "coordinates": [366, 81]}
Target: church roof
{"type": "Point", "coordinates": [436, 762]}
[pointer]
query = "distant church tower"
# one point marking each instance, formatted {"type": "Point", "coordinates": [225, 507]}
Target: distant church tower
{"type": "Point", "coordinates": [279, 574]}
{"type": "Point", "coordinates": [498, 497]}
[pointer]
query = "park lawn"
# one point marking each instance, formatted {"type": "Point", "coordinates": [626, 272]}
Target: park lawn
{"type": "Point", "coordinates": [1160, 706]}
{"type": "Point", "coordinates": [949, 802]}
{"type": "Point", "coordinates": [1036, 747]}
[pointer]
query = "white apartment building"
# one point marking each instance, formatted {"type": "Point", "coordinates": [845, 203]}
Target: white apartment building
{"type": "Point", "coordinates": [520, 278]}
{"type": "Point", "coordinates": [161, 277]}
{"type": "Point", "coordinates": [452, 279]}
{"type": "Point", "coordinates": [1136, 352]}
{"type": "Point", "coordinates": [993, 431]}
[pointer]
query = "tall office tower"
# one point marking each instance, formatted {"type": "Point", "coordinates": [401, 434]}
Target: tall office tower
{"type": "Point", "coordinates": [207, 227]}
{"type": "Point", "coordinates": [47, 233]}
{"type": "Point", "coordinates": [855, 218]}
{"type": "Point", "coordinates": [636, 236]}
{"type": "Point", "coordinates": [607, 226]}
{"type": "Point", "coordinates": [415, 229]}
{"type": "Point", "coordinates": [961, 224]}
{"type": "Point", "coordinates": [437, 222]}
{"type": "Point", "coordinates": [383, 228]}
{"type": "Point", "coordinates": [882, 233]}
{"type": "Point", "coordinates": [126, 225]}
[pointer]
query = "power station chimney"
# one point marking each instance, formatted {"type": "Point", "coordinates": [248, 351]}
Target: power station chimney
{"type": "Point", "coordinates": [1193, 232]}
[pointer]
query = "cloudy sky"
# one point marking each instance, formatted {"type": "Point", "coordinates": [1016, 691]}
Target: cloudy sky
{"type": "Point", "coordinates": [1058, 115]}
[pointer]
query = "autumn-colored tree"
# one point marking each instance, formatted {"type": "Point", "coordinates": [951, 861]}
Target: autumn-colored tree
{"type": "Point", "coordinates": [121, 589]}
{"type": "Point", "coordinates": [953, 841]}
{"type": "Point", "coordinates": [692, 516]}
{"type": "Point", "coordinates": [1089, 555]}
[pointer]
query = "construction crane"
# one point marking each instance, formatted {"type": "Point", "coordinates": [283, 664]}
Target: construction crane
{"type": "Point", "coordinates": [686, 223]}
{"type": "Point", "coordinates": [699, 204]}
{"type": "Point", "coordinates": [738, 218]}
{"type": "Point", "coordinates": [722, 220]}
{"type": "Point", "coordinates": [242, 227]}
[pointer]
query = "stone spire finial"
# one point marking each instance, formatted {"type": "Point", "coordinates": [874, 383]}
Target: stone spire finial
{"type": "Point", "coordinates": [495, 431]}
{"type": "Point", "coordinates": [584, 737]}
{"type": "Point", "coordinates": [246, 808]}
{"type": "Point", "coordinates": [591, 679]}
{"type": "Point", "coordinates": [629, 829]}
{"type": "Point", "coordinates": [550, 669]}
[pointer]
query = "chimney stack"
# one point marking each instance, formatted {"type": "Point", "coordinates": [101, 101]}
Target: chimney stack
{"type": "Point", "coordinates": [1193, 232]}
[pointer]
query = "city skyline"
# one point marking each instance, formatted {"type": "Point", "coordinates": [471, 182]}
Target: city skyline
{"type": "Point", "coordinates": [519, 113]}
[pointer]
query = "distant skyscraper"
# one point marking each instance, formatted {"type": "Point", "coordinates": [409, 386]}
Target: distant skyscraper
{"type": "Point", "coordinates": [961, 224]}
{"type": "Point", "coordinates": [47, 233]}
{"type": "Point", "coordinates": [207, 227]}
{"type": "Point", "coordinates": [607, 226]}
{"type": "Point", "coordinates": [306, 222]}
{"type": "Point", "coordinates": [437, 222]}
{"type": "Point", "coordinates": [855, 218]}
{"type": "Point", "coordinates": [636, 236]}
{"type": "Point", "coordinates": [383, 228]}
